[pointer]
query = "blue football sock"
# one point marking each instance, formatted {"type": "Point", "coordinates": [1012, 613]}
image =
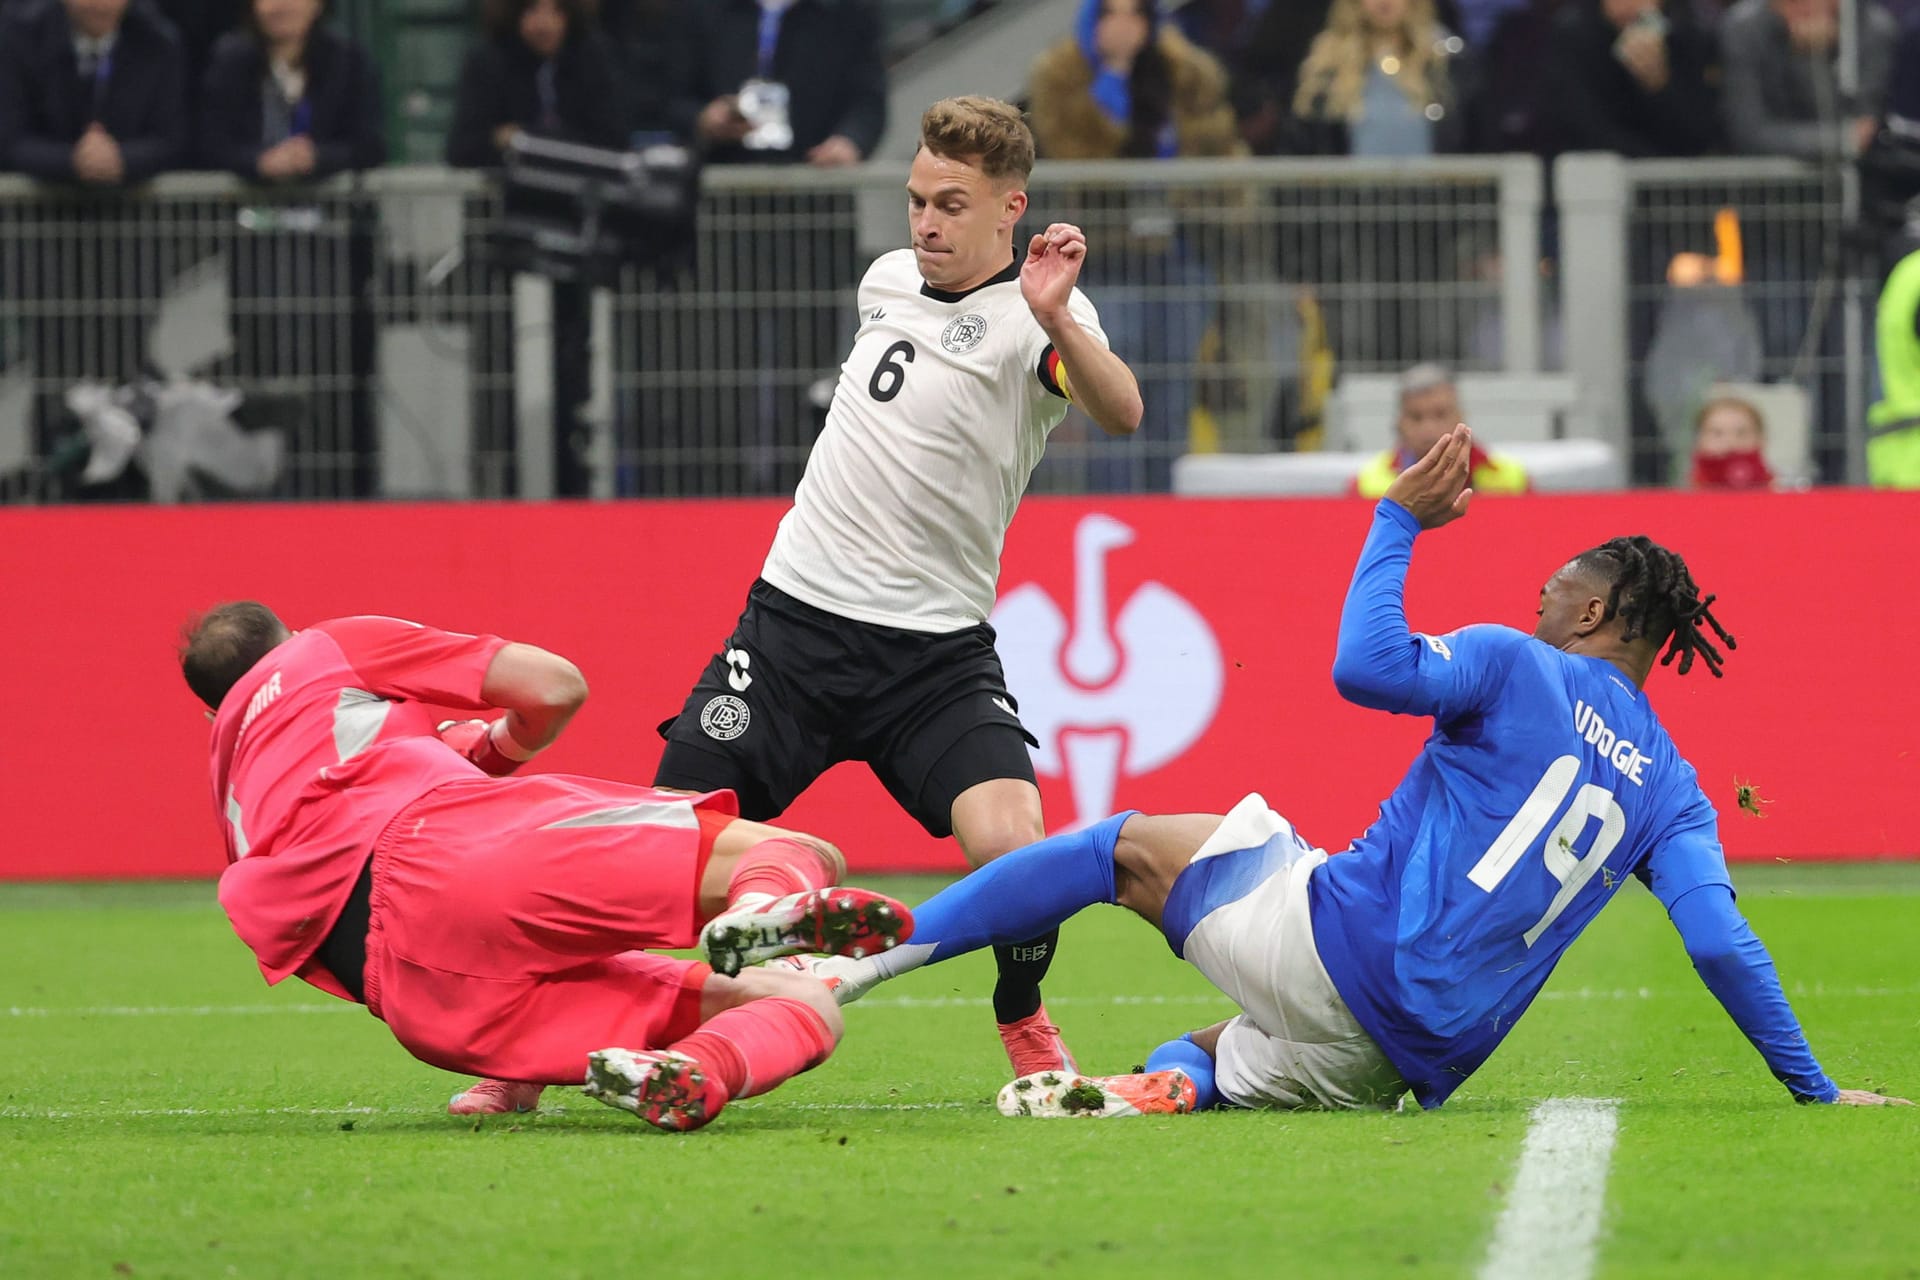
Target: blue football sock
{"type": "Point", "coordinates": [1013, 898]}
{"type": "Point", "coordinates": [1195, 1061]}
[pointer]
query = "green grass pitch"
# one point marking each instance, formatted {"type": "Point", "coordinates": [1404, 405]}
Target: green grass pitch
{"type": "Point", "coordinates": [163, 1114]}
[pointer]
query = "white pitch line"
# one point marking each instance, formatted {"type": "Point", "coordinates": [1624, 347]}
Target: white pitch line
{"type": "Point", "coordinates": [1798, 991]}
{"type": "Point", "coordinates": [178, 1010]}
{"type": "Point", "coordinates": [1550, 1228]}
{"type": "Point", "coordinates": [110, 1112]}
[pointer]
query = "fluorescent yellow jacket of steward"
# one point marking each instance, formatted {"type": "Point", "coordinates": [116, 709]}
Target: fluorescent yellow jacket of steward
{"type": "Point", "coordinates": [1491, 474]}
{"type": "Point", "coordinates": [1893, 425]}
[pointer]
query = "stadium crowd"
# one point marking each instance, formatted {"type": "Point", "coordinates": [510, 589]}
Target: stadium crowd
{"type": "Point", "coordinates": [105, 92]}
{"type": "Point", "coordinates": [109, 93]}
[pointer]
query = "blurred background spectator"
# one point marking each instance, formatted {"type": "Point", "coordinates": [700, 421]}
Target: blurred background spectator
{"type": "Point", "coordinates": [771, 82]}
{"type": "Point", "coordinates": [1783, 79]}
{"type": "Point", "coordinates": [1890, 167]}
{"type": "Point", "coordinates": [1429, 408]}
{"type": "Point", "coordinates": [1478, 20]}
{"type": "Point", "coordinates": [92, 95]}
{"type": "Point", "coordinates": [782, 81]}
{"type": "Point", "coordinates": [1266, 70]}
{"type": "Point", "coordinates": [1893, 426]}
{"type": "Point", "coordinates": [1382, 79]}
{"type": "Point", "coordinates": [91, 91]}
{"type": "Point", "coordinates": [201, 24]}
{"type": "Point", "coordinates": [1704, 332]}
{"type": "Point", "coordinates": [1626, 76]}
{"type": "Point", "coordinates": [1729, 443]}
{"type": "Point", "coordinates": [649, 38]}
{"type": "Point", "coordinates": [543, 66]}
{"type": "Point", "coordinates": [1126, 84]}
{"type": "Point", "coordinates": [288, 99]}
{"type": "Point", "coordinates": [1221, 27]}
{"type": "Point", "coordinates": [1513, 41]}
{"type": "Point", "coordinates": [104, 93]}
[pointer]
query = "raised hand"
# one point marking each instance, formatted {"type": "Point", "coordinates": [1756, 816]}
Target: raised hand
{"type": "Point", "coordinates": [1052, 268]}
{"type": "Point", "coordinates": [1435, 489]}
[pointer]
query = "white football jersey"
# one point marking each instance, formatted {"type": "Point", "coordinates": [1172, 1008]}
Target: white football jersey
{"type": "Point", "coordinates": [941, 414]}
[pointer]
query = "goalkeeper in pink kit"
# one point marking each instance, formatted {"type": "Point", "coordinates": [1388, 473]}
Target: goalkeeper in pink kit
{"type": "Point", "coordinates": [499, 925]}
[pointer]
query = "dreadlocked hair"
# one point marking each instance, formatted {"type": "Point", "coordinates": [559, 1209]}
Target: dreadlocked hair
{"type": "Point", "coordinates": [1655, 596]}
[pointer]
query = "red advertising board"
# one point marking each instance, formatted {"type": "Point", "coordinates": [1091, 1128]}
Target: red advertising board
{"type": "Point", "coordinates": [1171, 654]}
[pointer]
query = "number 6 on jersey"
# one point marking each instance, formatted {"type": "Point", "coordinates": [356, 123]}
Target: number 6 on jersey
{"type": "Point", "coordinates": [889, 376]}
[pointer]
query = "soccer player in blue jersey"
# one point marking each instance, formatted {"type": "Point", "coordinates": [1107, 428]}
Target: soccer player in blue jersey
{"type": "Point", "coordinates": [1400, 964]}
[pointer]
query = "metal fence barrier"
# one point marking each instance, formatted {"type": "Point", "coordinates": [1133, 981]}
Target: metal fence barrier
{"type": "Point", "coordinates": [360, 332]}
{"type": "Point", "coordinates": [1233, 289]}
{"type": "Point", "coordinates": [1679, 275]}
{"type": "Point", "coordinates": [363, 326]}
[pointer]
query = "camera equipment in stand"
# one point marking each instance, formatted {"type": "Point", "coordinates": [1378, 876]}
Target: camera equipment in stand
{"type": "Point", "coordinates": [575, 213]}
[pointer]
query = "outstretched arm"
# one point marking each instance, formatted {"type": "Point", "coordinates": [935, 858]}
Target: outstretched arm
{"type": "Point", "coordinates": [1102, 385]}
{"type": "Point", "coordinates": [1378, 662]}
{"type": "Point", "coordinates": [1734, 964]}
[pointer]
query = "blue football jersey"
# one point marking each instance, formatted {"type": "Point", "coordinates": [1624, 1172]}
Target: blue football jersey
{"type": "Point", "coordinates": [1548, 780]}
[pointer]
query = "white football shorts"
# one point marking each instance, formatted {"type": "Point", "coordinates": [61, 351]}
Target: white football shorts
{"type": "Point", "coordinates": [1295, 1045]}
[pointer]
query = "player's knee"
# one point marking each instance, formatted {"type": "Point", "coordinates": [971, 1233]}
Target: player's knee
{"type": "Point", "coordinates": [999, 845]}
{"type": "Point", "coordinates": [983, 842]}
{"type": "Point", "coordinates": [993, 819]}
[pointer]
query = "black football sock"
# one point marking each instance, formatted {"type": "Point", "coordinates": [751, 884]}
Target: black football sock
{"type": "Point", "coordinates": [1022, 966]}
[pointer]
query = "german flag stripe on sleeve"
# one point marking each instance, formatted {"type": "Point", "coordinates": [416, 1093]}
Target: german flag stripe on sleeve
{"type": "Point", "coordinates": [1053, 374]}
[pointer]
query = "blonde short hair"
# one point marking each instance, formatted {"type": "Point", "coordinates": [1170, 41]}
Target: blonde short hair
{"type": "Point", "coordinates": [985, 132]}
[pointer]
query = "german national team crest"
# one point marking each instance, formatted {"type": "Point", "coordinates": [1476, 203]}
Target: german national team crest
{"type": "Point", "coordinates": [725, 718]}
{"type": "Point", "coordinates": [963, 333]}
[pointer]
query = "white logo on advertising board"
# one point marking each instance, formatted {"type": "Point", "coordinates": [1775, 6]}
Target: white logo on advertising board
{"type": "Point", "coordinates": [1109, 693]}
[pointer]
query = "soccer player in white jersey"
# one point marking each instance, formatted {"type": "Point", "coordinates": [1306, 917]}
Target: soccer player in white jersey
{"type": "Point", "coordinates": [866, 637]}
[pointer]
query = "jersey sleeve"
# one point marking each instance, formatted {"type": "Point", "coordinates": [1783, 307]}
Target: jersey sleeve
{"type": "Point", "coordinates": [1048, 367]}
{"type": "Point", "coordinates": [1689, 855]}
{"type": "Point", "coordinates": [1462, 672]}
{"type": "Point", "coordinates": [1687, 871]}
{"type": "Point", "coordinates": [1381, 664]}
{"type": "Point", "coordinates": [400, 659]}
